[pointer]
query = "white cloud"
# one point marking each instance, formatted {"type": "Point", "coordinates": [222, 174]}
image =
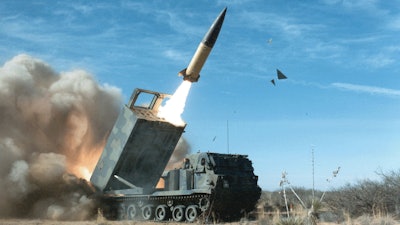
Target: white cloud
{"type": "Point", "coordinates": [369, 5]}
{"type": "Point", "coordinates": [233, 2]}
{"type": "Point", "coordinates": [276, 23]}
{"type": "Point", "coordinates": [360, 4]}
{"type": "Point", "coordinates": [378, 61]}
{"type": "Point", "coordinates": [324, 50]}
{"type": "Point", "coordinates": [394, 23]}
{"type": "Point", "coordinates": [175, 55]}
{"type": "Point", "coordinates": [367, 89]}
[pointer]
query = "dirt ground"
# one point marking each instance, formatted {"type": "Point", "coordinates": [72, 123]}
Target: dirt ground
{"type": "Point", "coordinates": [106, 222]}
{"type": "Point", "coordinates": [100, 222]}
{"type": "Point", "coordinates": [55, 222]}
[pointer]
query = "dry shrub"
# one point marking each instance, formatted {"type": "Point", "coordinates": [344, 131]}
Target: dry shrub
{"type": "Point", "coordinates": [291, 221]}
{"type": "Point", "coordinates": [380, 220]}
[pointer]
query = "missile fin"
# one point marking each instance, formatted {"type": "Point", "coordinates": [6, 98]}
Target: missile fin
{"type": "Point", "coordinates": [182, 72]}
{"type": "Point", "coordinates": [188, 77]}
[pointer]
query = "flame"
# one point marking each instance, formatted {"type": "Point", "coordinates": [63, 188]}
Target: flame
{"type": "Point", "coordinates": [174, 107]}
{"type": "Point", "coordinates": [82, 155]}
{"type": "Point", "coordinates": [172, 111]}
{"type": "Point", "coordinates": [84, 173]}
{"type": "Point", "coordinates": [84, 164]}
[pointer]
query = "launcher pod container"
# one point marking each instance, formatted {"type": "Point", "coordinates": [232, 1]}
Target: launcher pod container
{"type": "Point", "coordinates": [138, 147]}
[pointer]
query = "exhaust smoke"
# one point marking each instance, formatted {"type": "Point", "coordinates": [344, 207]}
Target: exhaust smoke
{"type": "Point", "coordinates": [174, 107]}
{"type": "Point", "coordinates": [52, 130]}
{"type": "Point", "coordinates": [172, 111]}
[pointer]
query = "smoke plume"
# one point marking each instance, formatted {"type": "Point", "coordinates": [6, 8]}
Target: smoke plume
{"type": "Point", "coordinates": [181, 151]}
{"type": "Point", "coordinates": [53, 127]}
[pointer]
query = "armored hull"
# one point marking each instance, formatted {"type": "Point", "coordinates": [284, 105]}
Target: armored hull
{"type": "Point", "coordinates": [209, 186]}
{"type": "Point", "coordinates": [133, 161]}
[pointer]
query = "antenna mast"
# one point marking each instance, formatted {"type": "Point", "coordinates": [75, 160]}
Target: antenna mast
{"type": "Point", "coordinates": [313, 174]}
{"type": "Point", "coordinates": [227, 135]}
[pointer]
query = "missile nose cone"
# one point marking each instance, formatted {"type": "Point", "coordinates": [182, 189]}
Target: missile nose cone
{"type": "Point", "coordinates": [211, 36]}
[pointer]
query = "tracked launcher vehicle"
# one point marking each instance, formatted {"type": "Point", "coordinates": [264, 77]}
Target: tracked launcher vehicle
{"type": "Point", "coordinates": [134, 160]}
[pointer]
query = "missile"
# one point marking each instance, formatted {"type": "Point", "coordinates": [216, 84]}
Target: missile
{"type": "Point", "coordinates": [122, 180]}
{"type": "Point", "coordinates": [192, 72]}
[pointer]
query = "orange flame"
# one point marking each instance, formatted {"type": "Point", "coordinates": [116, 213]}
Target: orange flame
{"type": "Point", "coordinates": [82, 154]}
{"type": "Point", "coordinates": [85, 164]}
{"type": "Point", "coordinates": [90, 160]}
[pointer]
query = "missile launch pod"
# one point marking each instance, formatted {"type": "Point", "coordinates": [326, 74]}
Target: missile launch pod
{"type": "Point", "coordinates": [134, 159]}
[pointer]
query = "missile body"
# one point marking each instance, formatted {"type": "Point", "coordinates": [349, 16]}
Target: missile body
{"type": "Point", "coordinates": [122, 180]}
{"type": "Point", "coordinates": [192, 72]}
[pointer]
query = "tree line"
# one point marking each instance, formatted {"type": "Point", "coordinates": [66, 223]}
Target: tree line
{"type": "Point", "coordinates": [366, 197]}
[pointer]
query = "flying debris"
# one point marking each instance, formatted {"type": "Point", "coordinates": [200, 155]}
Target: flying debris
{"type": "Point", "coordinates": [335, 173]}
{"type": "Point", "coordinates": [270, 41]}
{"type": "Point", "coordinates": [192, 72]}
{"type": "Point", "coordinates": [281, 76]}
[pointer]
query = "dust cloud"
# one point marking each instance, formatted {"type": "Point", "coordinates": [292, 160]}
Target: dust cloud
{"type": "Point", "coordinates": [53, 127]}
{"type": "Point", "coordinates": [181, 151]}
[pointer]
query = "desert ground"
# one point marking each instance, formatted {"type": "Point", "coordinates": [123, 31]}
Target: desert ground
{"type": "Point", "coordinates": [95, 222]}
{"type": "Point", "coordinates": [358, 221]}
{"type": "Point", "coordinates": [55, 222]}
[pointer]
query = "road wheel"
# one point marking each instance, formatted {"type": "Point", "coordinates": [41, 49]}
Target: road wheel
{"type": "Point", "coordinates": [162, 213]}
{"type": "Point", "coordinates": [204, 204]}
{"type": "Point", "coordinates": [147, 212]}
{"type": "Point", "coordinates": [178, 213]}
{"type": "Point", "coordinates": [132, 211]}
{"type": "Point", "coordinates": [191, 213]}
{"type": "Point", "coordinates": [121, 214]}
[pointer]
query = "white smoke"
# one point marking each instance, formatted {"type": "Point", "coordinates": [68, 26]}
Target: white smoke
{"type": "Point", "coordinates": [52, 125]}
{"type": "Point", "coordinates": [181, 151]}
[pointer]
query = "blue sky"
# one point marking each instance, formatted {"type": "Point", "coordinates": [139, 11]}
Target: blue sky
{"type": "Point", "coordinates": [341, 97]}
